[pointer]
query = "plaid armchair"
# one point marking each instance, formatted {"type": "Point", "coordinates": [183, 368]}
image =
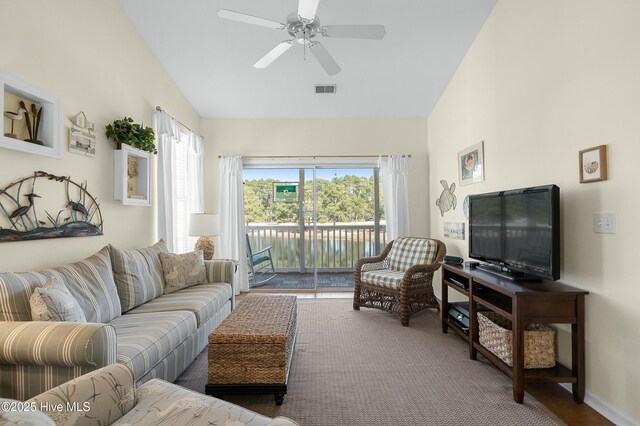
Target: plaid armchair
{"type": "Point", "coordinates": [400, 279]}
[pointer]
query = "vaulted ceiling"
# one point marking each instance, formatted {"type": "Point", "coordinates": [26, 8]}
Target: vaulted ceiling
{"type": "Point", "coordinates": [402, 75]}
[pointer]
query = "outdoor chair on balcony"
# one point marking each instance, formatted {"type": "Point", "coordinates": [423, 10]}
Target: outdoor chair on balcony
{"type": "Point", "coordinates": [400, 279]}
{"type": "Point", "coordinates": [260, 264]}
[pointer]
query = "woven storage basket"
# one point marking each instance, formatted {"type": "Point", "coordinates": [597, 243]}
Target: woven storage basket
{"type": "Point", "coordinates": [539, 341]}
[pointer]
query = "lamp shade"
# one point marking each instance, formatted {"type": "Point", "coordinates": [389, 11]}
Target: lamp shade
{"type": "Point", "coordinates": [203, 224]}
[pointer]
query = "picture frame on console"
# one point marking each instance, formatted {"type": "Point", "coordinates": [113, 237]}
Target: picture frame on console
{"type": "Point", "coordinates": [471, 164]}
{"type": "Point", "coordinates": [593, 164]}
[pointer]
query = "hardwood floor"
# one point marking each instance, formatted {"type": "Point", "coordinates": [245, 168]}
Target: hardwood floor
{"type": "Point", "coordinates": [553, 396]}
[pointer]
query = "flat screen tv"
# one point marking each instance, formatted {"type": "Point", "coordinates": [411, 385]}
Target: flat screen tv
{"type": "Point", "coordinates": [517, 232]}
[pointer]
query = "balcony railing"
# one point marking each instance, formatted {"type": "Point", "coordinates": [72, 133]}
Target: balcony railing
{"type": "Point", "coordinates": [339, 246]}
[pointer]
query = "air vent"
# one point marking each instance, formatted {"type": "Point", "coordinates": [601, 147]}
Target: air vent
{"type": "Point", "coordinates": [325, 88]}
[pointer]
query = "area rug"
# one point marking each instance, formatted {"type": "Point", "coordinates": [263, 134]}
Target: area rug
{"type": "Point", "coordinates": [362, 368]}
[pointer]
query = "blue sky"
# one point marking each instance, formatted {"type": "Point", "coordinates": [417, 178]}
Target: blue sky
{"type": "Point", "coordinates": [292, 175]}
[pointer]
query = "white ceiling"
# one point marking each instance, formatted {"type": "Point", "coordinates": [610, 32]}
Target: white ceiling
{"type": "Point", "coordinates": [403, 75]}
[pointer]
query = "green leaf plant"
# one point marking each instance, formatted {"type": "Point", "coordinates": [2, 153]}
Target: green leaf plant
{"type": "Point", "coordinates": [133, 134]}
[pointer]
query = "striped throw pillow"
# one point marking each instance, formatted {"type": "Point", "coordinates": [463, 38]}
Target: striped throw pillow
{"type": "Point", "coordinates": [90, 282]}
{"type": "Point", "coordinates": [138, 274]}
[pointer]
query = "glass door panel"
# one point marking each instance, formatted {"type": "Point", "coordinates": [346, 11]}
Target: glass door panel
{"type": "Point", "coordinates": [319, 233]}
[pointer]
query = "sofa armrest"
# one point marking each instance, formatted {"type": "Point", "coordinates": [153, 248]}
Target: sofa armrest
{"type": "Point", "coordinates": [65, 344]}
{"type": "Point", "coordinates": [223, 271]}
{"type": "Point", "coordinates": [102, 395]}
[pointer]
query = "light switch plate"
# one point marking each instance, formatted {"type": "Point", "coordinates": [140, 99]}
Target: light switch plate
{"type": "Point", "coordinates": [604, 223]}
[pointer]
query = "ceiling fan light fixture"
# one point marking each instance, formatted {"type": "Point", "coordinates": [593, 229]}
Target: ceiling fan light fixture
{"type": "Point", "coordinates": [304, 28]}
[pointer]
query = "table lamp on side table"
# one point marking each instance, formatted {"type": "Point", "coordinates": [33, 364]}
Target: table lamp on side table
{"type": "Point", "coordinates": [205, 226]}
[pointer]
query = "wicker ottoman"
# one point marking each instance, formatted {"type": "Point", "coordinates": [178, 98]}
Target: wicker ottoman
{"type": "Point", "coordinates": [250, 352]}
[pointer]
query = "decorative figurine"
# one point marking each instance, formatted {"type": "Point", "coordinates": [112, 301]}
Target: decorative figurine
{"type": "Point", "coordinates": [13, 116]}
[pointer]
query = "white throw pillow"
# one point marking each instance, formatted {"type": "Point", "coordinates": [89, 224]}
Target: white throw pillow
{"type": "Point", "coordinates": [54, 302]}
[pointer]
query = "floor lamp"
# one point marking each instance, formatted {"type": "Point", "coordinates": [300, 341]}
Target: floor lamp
{"type": "Point", "coordinates": [205, 226]}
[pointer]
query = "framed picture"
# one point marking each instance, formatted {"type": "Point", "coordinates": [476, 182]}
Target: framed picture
{"type": "Point", "coordinates": [285, 192]}
{"type": "Point", "coordinates": [454, 230]}
{"type": "Point", "coordinates": [82, 142]}
{"type": "Point", "coordinates": [593, 164]}
{"type": "Point", "coordinates": [471, 164]}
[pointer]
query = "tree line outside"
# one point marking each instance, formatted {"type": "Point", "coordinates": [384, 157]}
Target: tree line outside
{"type": "Point", "coordinates": [341, 199]}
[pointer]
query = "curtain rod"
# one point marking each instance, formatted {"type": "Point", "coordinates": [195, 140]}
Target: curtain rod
{"type": "Point", "coordinates": [316, 156]}
{"type": "Point", "coordinates": [179, 122]}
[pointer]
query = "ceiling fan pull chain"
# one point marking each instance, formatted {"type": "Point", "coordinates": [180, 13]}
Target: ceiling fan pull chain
{"type": "Point", "coordinates": [304, 45]}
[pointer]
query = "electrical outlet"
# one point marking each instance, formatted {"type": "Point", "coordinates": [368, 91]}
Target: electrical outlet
{"type": "Point", "coordinates": [604, 223]}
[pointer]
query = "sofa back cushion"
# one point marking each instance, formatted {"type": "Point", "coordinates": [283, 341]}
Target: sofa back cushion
{"type": "Point", "coordinates": [409, 251]}
{"type": "Point", "coordinates": [15, 290]}
{"type": "Point", "coordinates": [90, 282]}
{"type": "Point", "coordinates": [138, 274]}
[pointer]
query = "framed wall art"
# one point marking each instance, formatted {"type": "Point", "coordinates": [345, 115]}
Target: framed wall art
{"type": "Point", "coordinates": [285, 192]}
{"type": "Point", "coordinates": [593, 164]}
{"type": "Point", "coordinates": [471, 164]}
{"type": "Point", "coordinates": [454, 230]}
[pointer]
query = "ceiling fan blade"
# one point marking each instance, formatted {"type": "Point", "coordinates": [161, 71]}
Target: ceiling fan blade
{"type": "Point", "coordinates": [307, 9]}
{"type": "Point", "coordinates": [372, 32]}
{"type": "Point", "coordinates": [274, 54]}
{"type": "Point", "coordinates": [326, 60]}
{"type": "Point", "coordinates": [250, 19]}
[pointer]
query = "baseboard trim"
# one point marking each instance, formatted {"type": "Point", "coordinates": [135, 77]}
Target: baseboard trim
{"type": "Point", "coordinates": [611, 413]}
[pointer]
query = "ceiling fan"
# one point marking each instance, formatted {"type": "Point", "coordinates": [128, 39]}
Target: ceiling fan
{"type": "Point", "coordinates": [304, 27]}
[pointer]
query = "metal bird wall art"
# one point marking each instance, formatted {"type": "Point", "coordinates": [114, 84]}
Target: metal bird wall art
{"type": "Point", "coordinates": [78, 214]}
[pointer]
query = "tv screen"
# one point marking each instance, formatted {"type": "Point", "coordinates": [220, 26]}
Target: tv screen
{"type": "Point", "coordinates": [518, 230]}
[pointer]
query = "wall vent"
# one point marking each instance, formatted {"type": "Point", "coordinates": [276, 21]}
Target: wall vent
{"type": "Point", "coordinates": [325, 88]}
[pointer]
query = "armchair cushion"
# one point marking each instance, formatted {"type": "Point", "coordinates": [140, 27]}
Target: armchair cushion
{"type": "Point", "coordinates": [383, 278]}
{"type": "Point", "coordinates": [409, 251]}
{"type": "Point", "coordinates": [138, 274]}
{"type": "Point", "coordinates": [182, 270]}
{"type": "Point", "coordinates": [53, 302]}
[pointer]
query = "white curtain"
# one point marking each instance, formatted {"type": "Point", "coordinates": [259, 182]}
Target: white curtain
{"type": "Point", "coordinates": [167, 133]}
{"type": "Point", "coordinates": [395, 191]}
{"type": "Point", "coordinates": [232, 241]}
{"type": "Point", "coordinates": [195, 173]}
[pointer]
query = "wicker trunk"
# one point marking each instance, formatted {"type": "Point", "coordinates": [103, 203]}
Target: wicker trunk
{"type": "Point", "coordinates": [251, 350]}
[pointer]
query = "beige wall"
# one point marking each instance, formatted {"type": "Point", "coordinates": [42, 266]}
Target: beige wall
{"type": "Point", "coordinates": [266, 137]}
{"type": "Point", "coordinates": [543, 80]}
{"type": "Point", "coordinates": [88, 53]}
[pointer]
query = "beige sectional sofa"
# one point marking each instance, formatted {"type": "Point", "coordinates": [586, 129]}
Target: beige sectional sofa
{"type": "Point", "coordinates": [129, 320]}
{"type": "Point", "coordinates": [108, 396]}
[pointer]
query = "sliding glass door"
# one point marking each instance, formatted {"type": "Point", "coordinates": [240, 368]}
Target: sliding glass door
{"type": "Point", "coordinates": [318, 221]}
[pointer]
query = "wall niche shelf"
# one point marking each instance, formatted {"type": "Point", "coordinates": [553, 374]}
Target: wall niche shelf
{"type": "Point", "coordinates": [132, 176]}
{"type": "Point", "coordinates": [50, 131]}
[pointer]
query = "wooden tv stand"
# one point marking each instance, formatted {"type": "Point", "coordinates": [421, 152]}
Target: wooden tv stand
{"type": "Point", "coordinates": [522, 302]}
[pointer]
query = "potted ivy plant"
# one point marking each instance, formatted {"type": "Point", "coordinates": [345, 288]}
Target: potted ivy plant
{"type": "Point", "coordinates": [133, 134]}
